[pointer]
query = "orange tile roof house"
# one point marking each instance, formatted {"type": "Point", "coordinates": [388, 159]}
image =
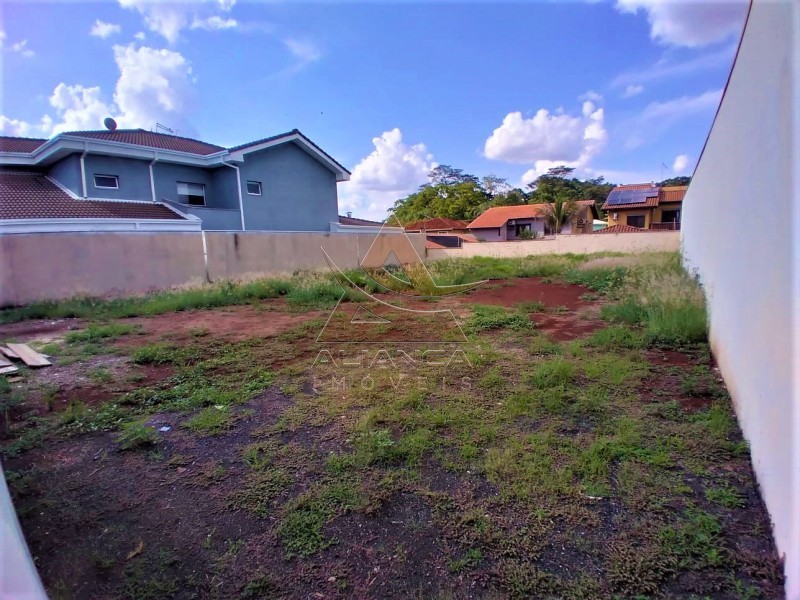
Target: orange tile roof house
{"type": "Point", "coordinates": [133, 179]}
{"type": "Point", "coordinates": [506, 223]}
{"type": "Point", "coordinates": [437, 225]}
{"type": "Point", "coordinates": [645, 206]}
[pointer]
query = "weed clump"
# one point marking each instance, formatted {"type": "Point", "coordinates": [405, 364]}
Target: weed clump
{"type": "Point", "coordinates": [136, 435]}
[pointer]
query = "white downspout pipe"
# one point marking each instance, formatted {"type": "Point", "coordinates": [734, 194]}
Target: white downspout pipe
{"type": "Point", "coordinates": [239, 189]}
{"type": "Point", "coordinates": [152, 180]}
{"type": "Point", "coordinates": [83, 169]}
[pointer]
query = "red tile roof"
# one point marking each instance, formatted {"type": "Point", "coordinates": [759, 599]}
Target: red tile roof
{"type": "Point", "coordinates": [437, 224]}
{"type": "Point", "coordinates": [674, 193]}
{"type": "Point", "coordinates": [621, 229]}
{"type": "Point", "coordinates": [497, 216]}
{"type": "Point", "coordinates": [150, 139]}
{"type": "Point", "coordinates": [34, 196]}
{"type": "Point", "coordinates": [18, 144]}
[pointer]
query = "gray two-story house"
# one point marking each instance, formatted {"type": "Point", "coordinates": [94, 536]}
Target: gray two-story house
{"type": "Point", "coordinates": [113, 179]}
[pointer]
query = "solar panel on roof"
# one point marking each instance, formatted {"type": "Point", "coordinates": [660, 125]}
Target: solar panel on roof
{"type": "Point", "coordinates": [623, 197]}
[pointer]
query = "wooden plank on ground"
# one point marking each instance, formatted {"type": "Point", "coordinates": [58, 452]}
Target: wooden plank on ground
{"type": "Point", "coordinates": [8, 370]}
{"type": "Point", "coordinates": [9, 353]}
{"type": "Point", "coordinates": [4, 362]}
{"type": "Point", "coordinates": [29, 356]}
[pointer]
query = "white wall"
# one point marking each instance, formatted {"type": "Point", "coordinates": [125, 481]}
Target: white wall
{"type": "Point", "coordinates": [652, 241]}
{"type": "Point", "coordinates": [748, 179]}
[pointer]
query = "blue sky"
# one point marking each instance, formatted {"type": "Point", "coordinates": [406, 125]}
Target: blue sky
{"type": "Point", "coordinates": [611, 88]}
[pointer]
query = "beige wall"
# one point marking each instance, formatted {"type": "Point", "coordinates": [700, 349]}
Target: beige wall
{"type": "Point", "coordinates": [56, 266]}
{"type": "Point", "coordinates": [655, 241]}
{"type": "Point", "coordinates": [751, 273]}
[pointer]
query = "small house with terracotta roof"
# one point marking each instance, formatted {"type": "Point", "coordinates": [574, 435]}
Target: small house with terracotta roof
{"type": "Point", "coordinates": [507, 223]}
{"type": "Point", "coordinates": [120, 179]}
{"type": "Point", "coordinates": [645, 206]}
{"type": "Point", "coordinates": [437, 225]}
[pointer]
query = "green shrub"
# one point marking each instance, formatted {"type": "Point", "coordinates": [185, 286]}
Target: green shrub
{"type": "Point", "coordinates": [628, 311]}
{"type": "Point", "coordinates": [136, 435]}
{"type": "Point", "coordinates": [496, 317]}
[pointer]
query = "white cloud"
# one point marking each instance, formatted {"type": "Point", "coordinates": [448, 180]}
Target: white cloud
{"type": "Point", "coordinates": [14, 127]}
{"type": "Point", "coordinates": [78, 107]}
{"type": "Point", "coordinates": [549, 139]}
{"type": "Point", "coordinates": [305, 50]}
{"type": "Point", "coordinates": [632, 90]}
{"type": "Point", "coordinates": [680, 164]}
{"type": "Point", "coordinates": [169, 19]}
{"type": "Point", "coordinates": [140, 35]}
{"type": "Point", "coordinates": [20, 48]}
{"type": "Point", "coordinates": [593, 96]}
{"type": "Point", "coordinates": [390, 172]}
{"type": "Point", "coordinates": [153, 86]}
{"type": "Point", "coordinates": [688, 22]}
{"type": "Point", "coordinates": [666, 68]}
{"type": "Point", "coordinates": [214, 23]}
{"type": "Point", "coordinates": [103, 30]}
{"type": "Point", "coordinates": [657, 117]}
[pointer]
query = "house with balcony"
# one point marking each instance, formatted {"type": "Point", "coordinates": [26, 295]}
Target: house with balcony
{"type": "Point", "coordinates": [645, 206]}
{"type": "Point", "coordinates": [75, 180]}
{"type": "Point", "coordinates": [523, 221]}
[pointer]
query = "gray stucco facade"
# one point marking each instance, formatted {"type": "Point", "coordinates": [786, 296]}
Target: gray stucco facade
{"type": "Point", "coordinates": [298, 193]}
{"type": "Point", "coordinates": [298, 189]}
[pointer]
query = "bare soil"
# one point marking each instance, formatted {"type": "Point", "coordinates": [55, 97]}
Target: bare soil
{"type": "Point", "coordinates": [163, 521]}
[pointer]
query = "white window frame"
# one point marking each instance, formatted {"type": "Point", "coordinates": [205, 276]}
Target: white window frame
{"type": "Point", "coordinates": [260, 188]}
{"type": "Point", "coordinates": [202, 185]}
{"type": "Point", "coordinates": [106, 187]}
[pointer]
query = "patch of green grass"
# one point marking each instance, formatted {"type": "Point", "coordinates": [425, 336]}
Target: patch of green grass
{"type": "Point", "coordinates": [135, 435]}
{"type": "Point", "coordinates": [599, 279]}
{"type": "Point", "coordinates": [261, 586]}
{"type": "Point", "coordinates": [224, 293]}
{"type": "Point", "coordinates": [610, 338]}
{"type": "Point", "coordinates": [616, 370]}
{"type": "Point", "coordinates": [540, 345]}
{"type": "Point", "coordinates": [212, 420]}
{"type": "Point", "coordinates": [696, 540]}
{"type": "Point", "coordinates": [300, 529]}
{"type": "Point", "coordinates": [469, 560]}
{"type": "Point", "coordinates": [496, 317]}
{"type": "Point", "coordinates": [700, 382]}
{"type": "Point", "coordinates": [628, 311]}
{"type": "Point", "coordinates": [156, 353]}
{"type": "Point", "coordinates": [531, 307]}
{"type": "Point", "coordinates": [259, 489]}
{"type": "Point", "coordinates": [97, 332]}
{"type": "Point", "coordinates": [553, 373]}
{"type": "Point", "coordinates": [100, 375]}
{"type": "Point", "coordinates": [726, 496]}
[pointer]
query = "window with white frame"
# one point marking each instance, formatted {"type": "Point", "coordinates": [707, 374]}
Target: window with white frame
{"type": "Point", "coordinates": [254, 188]}
{"type": "Point", "coordinates": [106, 182]}
{"type": "Point", "coordinates": [192, 193]}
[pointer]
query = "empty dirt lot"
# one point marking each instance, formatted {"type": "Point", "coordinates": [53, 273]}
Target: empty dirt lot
{"type": "Point", "coordinates": [557, 452]}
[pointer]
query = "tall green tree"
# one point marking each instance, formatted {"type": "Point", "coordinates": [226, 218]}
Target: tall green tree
{"type": "Point", "coordinates": [683, 180]}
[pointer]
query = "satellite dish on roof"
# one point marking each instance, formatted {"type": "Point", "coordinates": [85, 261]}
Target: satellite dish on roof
{"type": "Point", "coordinates": [110, 123]}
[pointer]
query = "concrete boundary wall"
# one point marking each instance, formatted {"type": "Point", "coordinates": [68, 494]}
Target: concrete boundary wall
{"type": "Point", "coordinates": [651, 241]}
{"type": "Point", "coordinates": [56, 266]}
{"type": "Point", "coordinates": [751, 272]}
